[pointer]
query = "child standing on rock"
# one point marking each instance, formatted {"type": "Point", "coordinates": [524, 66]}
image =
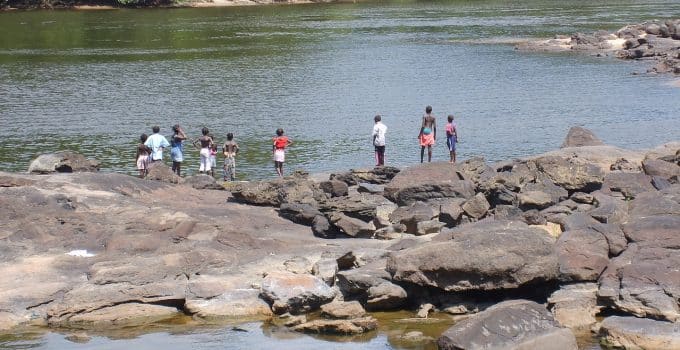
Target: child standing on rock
{"type": "Point", "coordinates": [451, 138]}
{"type": "Point", "coordinates": [279, 150]}
{"type": "Point", "coordinates": [142, 156]}
{"type": "Point", "coordinates": [229, 150]}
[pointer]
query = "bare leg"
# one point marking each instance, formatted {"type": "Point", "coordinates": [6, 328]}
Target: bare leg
{"type": "Point", "coordinates": [454, 157]}
{"type": "Point", "coordinates": [429, 154]}
{"type": "Point", "coordinates": [422, 153]}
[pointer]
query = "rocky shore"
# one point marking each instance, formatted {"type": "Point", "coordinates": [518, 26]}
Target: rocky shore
{"type": "Point", "coordinates": [522, 254]}
{"type": "Point", "coordinates": [656, 41]}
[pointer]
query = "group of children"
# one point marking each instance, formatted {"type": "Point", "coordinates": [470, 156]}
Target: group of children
{"type": "Point", "coordinates": [150, 150]}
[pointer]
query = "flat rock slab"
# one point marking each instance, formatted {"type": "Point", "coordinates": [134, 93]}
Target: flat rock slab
{"type": "Point", "coordinates": [484, 256]}
{"type": "Point", "coordinates": [510, 325]}
{"type": "Point", "coordinates": [428, 181]}
{"type": "Point", "coordinates": [235, 304]}
{"type": "Point", "coordinates": [123, 315]}
{"type": "Point", "coordinates": [343, 327]}
{"type": "Point", "coordinates": [640, 333]}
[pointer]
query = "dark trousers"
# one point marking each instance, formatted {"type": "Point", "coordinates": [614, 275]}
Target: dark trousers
{"type": "Point", "coordinates": [380, 155]}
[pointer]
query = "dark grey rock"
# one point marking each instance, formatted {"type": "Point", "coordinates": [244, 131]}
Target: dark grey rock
{"type": "Point", "coordinates": [428, 181]}
{"type": "Point", "coordinates": [583, 254]}
{"type": "Point", "coordinates": [364, 187]}
{"type": "Point", "coordinates": [334, 188]}
{"type": "Point", "coordinates": [579, 136]}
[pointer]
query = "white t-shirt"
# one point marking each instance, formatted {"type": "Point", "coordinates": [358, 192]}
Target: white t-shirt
{"type": "Point", "coordinates": [379, 130]}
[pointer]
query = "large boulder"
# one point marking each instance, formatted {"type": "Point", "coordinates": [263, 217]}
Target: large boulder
{"type": "Point", "coordinates": [510, 325]}
{"type": "Point", "coordinates": [629, 185]}
{"type": "Point", "coordinates": [640, 333]}
{"type": "Point", "coordinates": [572, 174]}
{"type": "Point", "coordinates": [477, 206]}
{"type": "Point", "coordinates": [62, 162]}
{"type": "Point", "coordinates": [334, 188]}
{"type": "Point", "coordinates": [293, 189]}
{"type": "Point", "coordinates": [298, 213]}
{"type": "Point", "coordinates": [295, 293]}
{"type": "Point", "coordinates": [233, 304]}
{"type": "Point", "coordinates": [428, 181]}
{"type": "Point", "coordinates": [203, 182]}
{"type": "Point", "coordinates": [583, 254]}
{"type": "Point", "coordinates": [158, 171]}
{"type": "Point", "coordinates": [488, 255]}
{"type": "Point", "coordinates": [385, 296]}
{"type": "Point", "coordinates": [661, 168]}
{"type": "Point", "coordinates": [580, 136]}
{"type": "Point", "coordinates": [411, 215]}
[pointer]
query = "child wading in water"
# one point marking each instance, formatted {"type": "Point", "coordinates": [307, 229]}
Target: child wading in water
{"type": "Point", "coordinates": [279, 149]}
{"type": "Point", "coordinates": [451, 138]}
{"type": "Point", "coordinates": [142, 156]}
{"type": "Point", "coordinates": [229, 150]}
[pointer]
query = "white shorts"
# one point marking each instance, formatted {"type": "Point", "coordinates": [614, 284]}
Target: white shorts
{"type": "Point", "coordinates": [279, 155]}
{"type": "Point", "coordinates": [205, 160]}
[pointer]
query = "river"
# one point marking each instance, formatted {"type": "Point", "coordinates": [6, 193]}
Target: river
{"type": "Point", "coordinates": [92, 81]}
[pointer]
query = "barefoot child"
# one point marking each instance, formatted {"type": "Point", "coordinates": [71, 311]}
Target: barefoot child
{"type": "Point", "coordinates": [206, 143]}
{"type": "Point", "coordinates": [229, 150]}
{"type": "Point", "coordinates": [428, 134]}
{"type": "Point", "coordinates": [279, 150]}
{"type": "Point", "coordinates": [213, 157]}
{"type": "Point", "coordinates": [451, 138]}
{"type": "Point", "coordinates": [142, 156]}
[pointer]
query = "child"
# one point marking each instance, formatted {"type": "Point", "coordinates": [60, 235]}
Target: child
{"type": "Point", "coordinates": [142, 156]}
{"type": "Point", "coordinates": [280, 143]}
{"type": "Point", "coordinates": [213, 158]}
{"type": "Point", "coordinates": [451, 138]}
{"type": "Point", "coordinates": [177, 149]}
{"type": "Point", "coordinates": [206, 144]}
{"type": "Point", "coordinates": [229, 150]}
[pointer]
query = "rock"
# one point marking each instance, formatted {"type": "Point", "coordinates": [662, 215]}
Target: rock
{"type": "Point", "coordinates": [351, 226]}
{"type": "Point", "coordinates": [360, 257]}
{"type": "Point", "coordinates": [450, 211]}
{"type": "Point", "coordinates": [429, 227]}
{"type": "Point", "coordinates": [624, 165]}
{"type": "Point", "coordinates": [294, 293]}
{"type": "Point", "coordinates": [334, 188]}
{"type": "Point", "coordinates": [234, 304]}
{"type": "Point", "coordinates": [293, 320]}
{"type": "Point", "coordinates": [123, 315]}
{"type": "Point", "coordinates": [534, 200]}
{"type": "Point", "coordinates": [663, 169]}
{"type": "Point", "coordinates": [377, 175]}
{"type": "Point", "coordinates": [542, 184]}
{"type": "Point", "coordinates": [571, 174]}
{"type": "Point", "coordinates": [203, 182]}
{"type": "Point", "coordinates": [640, 333]}
{"type": "Point", "coordinates": [415, 337]}
{"type": "Point", "coordinates": [411, 215]}
{"type": "Point", "coordinates": [292, 189]}
{"type": "Point", "coordinates": [534, 217]}
{"type": "Point", "coordinates": [575, 305]}
{"type": "Point", "coordinates": [507, 213]}
{"type": "Point", "coordinates": [298, 213]}
{"type": "Point", "coordinates": [512, 325]}
{"type": "Point", "coordinates": [424, 310]}
{"type": "Point", "coordinates": [364, 187]}
{"type": "Point", "coordinates": [355, 283]}
{"type": "Point", "coordinates": [609, 209]}
{"type": "Point", "coordinates": [580, 197]}
{"type": "Point", "coordinates": [62, 162]}
{"type": "Point", "coordinates": [394, 231]}
{"type": "Point", "coordinates": [326, 268]}
{"type": "Point", "coordinates": [428, 181]}
{"type": "Point", "coordinates": [477, 206]}
{"type": "Point", "coordinates": [660, 183]}
{"type": "Point", "coordinates": [158, 171]}
{"type": "Point", "coordinates": [579, 136]}
{"type": "Point", "coordinates": [583, 254]}
{"type": "Point", "coordinates": [628, 184]}
{"type": "Point", "coordinates": [344, 327]}
{"type": "Point", "coordinates": [362, 206]}
{"type": "Point", "coordinates": [484, 256]}
{"type": "Point", "coordinates": [298, 264]}
{"type": "Point", "coordinates": [342, 310]}
{"type": "Point", "coordinates": [385, 296]}
{"type": "Point", "coordinates": [322, 228]}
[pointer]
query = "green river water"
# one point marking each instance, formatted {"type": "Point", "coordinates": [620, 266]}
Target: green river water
{"type": "Point", "coordinates": [92, 81]}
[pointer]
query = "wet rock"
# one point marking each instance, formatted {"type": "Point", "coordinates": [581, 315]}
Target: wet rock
{"type": "Point", "coordinates": [640, 333]}
{"type": "Point", "coordinates": [428, 181]}
{"type": "Point", "coordinates": [203, 182]}
{"type": "Point", "coordinates": [294, 293]}
{"type": "Point", "coordinates": [477, 206]}
{"type": "Point", "coordinates": [579, 136]}
{"type": "Point", "coordinates": [385, 296]}
{"type": "Point", "coordinates": [343, 327]}
{"type": "Point", "coordinates": [517, 324]}
{"type": "Point", "coordinates": [342, 310]}
{"type": "Point", "coordinates": [62, 162]}
{"type": "Point", "coordinates": [334, 188]}
{"type": "Point", "coordinates": [575, 305]}
{"type": "Point", "coordinates": [233, 304]}
{"type": "Point", "coordinates": [484, 256]}
{"type": "Point", "coordinates": [583, 254]}
{"type": "Point", "coordinates": [571, 174]}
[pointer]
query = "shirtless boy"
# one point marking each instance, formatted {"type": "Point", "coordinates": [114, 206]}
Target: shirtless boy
{"type": "Point", "coordinates": [428, 134]}
{"type": "Point", "coordinates": [451, 138]}
{"type": "Point", "coordinates": [280, 142]}
{"type": "Point", "coordinates": [229, 150]}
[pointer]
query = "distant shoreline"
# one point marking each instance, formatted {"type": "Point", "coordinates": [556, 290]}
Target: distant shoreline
{"type": "Point", "coordinates": [99, 6]}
